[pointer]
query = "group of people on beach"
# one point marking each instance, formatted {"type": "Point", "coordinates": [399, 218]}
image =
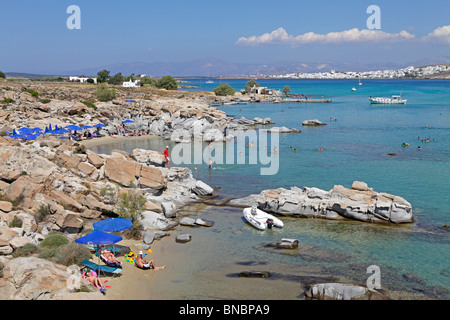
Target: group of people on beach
{"type": "Point", "coordinates": [111, 260]}
{"type": "Point", "coordinates": [123, 131]}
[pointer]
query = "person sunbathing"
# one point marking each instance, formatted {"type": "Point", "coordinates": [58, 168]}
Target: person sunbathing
{"type": "Point", "coordinates": [110, 259]}
{"type": "Point", "coordinates": [145, 265]}
{"type": "Point", "coordinates": [92, 278]}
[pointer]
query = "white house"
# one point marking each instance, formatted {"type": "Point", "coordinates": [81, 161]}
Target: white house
{"type": "Point", "coordinates": [81, 79]}
{"type": "Point", "coordinates": [131, 84]}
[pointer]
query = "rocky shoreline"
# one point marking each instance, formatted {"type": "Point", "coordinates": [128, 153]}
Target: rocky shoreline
{"type": "Point", "coordinates": [70, 181]}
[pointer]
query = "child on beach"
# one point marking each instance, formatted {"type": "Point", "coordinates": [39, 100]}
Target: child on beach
{"type": "Point", "coordinates": [166, 155]}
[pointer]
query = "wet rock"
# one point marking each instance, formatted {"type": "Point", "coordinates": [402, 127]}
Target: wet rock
{"type": "Point", "coordinates": [183, 238]}
{"type": "Point", "coordinates": [255, 274]}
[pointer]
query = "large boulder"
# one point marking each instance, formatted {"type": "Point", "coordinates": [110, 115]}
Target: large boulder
{"type": "Point", "coordinates": [32, 278]}
{"type": "Point", "coordinates": [122, 171]}
{"type": "Point", "coordinates": [359, 203]}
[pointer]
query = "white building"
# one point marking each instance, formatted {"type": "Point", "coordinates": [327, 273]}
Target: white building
{"type": "Point", "coordinates": [81, 79]}
{"type": "Point", "coordinates": [131, 84]}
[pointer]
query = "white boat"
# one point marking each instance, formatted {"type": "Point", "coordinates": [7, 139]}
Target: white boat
{"type": "Point", "coordinates": [384, 100]}
{"type": "Point", "coordinates": [353, 89]}
{"type": "Point", "coordinates": [209, 81]}
{"type": "Point", "coordinates": [359, 82]}
{"type": "Point", "coordinates": [260, 219]}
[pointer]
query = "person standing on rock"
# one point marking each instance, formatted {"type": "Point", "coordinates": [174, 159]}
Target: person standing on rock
{"type": "Point", "coordinates": [166, 155]}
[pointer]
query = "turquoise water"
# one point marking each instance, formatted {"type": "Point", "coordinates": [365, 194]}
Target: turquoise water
{"type": "Point", "coordinates": [356, 144]}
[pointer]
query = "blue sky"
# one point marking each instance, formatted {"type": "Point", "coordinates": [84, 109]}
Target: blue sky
{"type": "Point", "coordinates": [35, 37]}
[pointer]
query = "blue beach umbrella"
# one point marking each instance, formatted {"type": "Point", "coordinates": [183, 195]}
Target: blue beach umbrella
{"type": "Point", "coordinates": [112, 225]}
{"type": "Point", "coordinates": [85, 127]}
{"type": "Point", "coordinates": [98, 238]}
{"type": "Point", "coordinates": [73, 128]}
{"type": "Point", "coordinates": [100, 125]}
{"type": "Point", "coordinates": [128, 121]}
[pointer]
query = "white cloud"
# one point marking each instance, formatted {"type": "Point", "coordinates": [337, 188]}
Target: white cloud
{"type": "Point", "coordinates": [352, 35]}
{"type": "Point", "coordinates": [440, 34]}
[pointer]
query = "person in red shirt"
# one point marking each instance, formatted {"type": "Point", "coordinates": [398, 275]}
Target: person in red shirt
{"type": "Point", "coordinates": [166, 154]}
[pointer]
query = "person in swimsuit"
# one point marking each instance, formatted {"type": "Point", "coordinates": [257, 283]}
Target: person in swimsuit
{"type": "Point", "coordinates": [145, 265]}
{"type": "Point", "coordinates": [92, 278]}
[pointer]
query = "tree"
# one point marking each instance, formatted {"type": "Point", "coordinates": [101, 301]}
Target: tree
{"type": "Point", "coordinates": [90, 80]}
{"type": "Point", "coordinates": [117, 79]}
{"type": "Point", "coordinates": [286, 89]}
{"type": "Point", "coordinates": [224, 90]}
{"type": "Point", "coordinates": [250, 84]}
{"type": "Point", "coordinates": [103, 76]}
{"type": "Point", "coordinates": [2, 75]}
{"type": "Point", "coordinates": [147, 81]}
{"type": "Point", "coordinates": [167, 82]}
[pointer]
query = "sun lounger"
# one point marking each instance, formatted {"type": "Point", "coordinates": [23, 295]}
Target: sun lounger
{"type": "Point", "coordinates": [104, 269]}
{"type": "Point", "coordinates": [109, 263]}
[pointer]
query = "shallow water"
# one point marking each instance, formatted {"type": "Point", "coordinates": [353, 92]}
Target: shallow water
{"type": "Point", "coordinates": [412, 257]}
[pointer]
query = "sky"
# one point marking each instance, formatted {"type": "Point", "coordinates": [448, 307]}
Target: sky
{"type": "Point", "coordinates": [35, 37]}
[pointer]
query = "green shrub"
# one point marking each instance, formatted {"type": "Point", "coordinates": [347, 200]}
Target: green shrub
{"type": "Point", "coordinates": [7, 100]}
{"type": "Point", "coordinates": [45, 100]}
{"type": "Point", "coordinates": [33, 93]}
{"type": "Point", "coordinates": [80, 149]}
{"type": "Point", "coordinates": [167, 82]}
{"type": "Point", "coordinates": [105, 94]}
{"type": "Point", "coordinates": [54, 240]}
{"type": "Point", "coordinates": [26, 250]}
{"type": "Point", "coordinates": [89, 104]}
{"type": "Point", "coordinates": [72, 253]}
{"type": "Point", "coordinates": [16, 223]}
{"type": "Point", "coordinates": [224, 90]}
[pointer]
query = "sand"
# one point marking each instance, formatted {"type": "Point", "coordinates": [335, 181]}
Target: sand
{"type": "Point", "coordinates": [94, 142]}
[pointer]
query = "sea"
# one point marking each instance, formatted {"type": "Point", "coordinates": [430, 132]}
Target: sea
{"type": "Point", "coordinates": [360, 142]}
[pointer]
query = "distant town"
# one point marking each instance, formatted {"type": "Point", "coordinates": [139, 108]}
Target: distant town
{"type": "Point", "coordinates": [434, 71]}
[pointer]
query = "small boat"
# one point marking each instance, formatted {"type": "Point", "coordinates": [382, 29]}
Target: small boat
{"type": "Point", "coordinates": [353, 89]}
{"type": "Point", "coordinates": [209, 81]}
{"type": "Point", "coordinates": [260, 219]}
{"type": "Point", "coordinates": [384, 100]}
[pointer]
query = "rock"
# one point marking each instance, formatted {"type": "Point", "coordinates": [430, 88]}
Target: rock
{"type": "Point", "coordinates": [314, 122]}
{"type": "Point", "coordinates": [123, 172]}
{"type": "Point", "coordinates": [94, 159]}
{"type": "Point", "coordinates": [32, 278]}
{"type": "Point", "coordinates": [255, 274]}
{"type": "Point", "coordinates": [149, 157]}
{"type": "Point", "coordinates": [86, 168]}
{"type": "Point", "coordinates": [154, 220]}
{"type": "Point", "coordinates": [338, 291]}
{"type": "Point", "coordinates": [6, 206]}
{"type": "Point", "coordinates": [187, 221]}
{"type": "Point", "coordinates": [69, 221]}
{"type": "Point", "coordinates": [152, 177]}
{"type": "Point", "coordinates": [203, 223]}
{"type": "Point", "coordinates": [148, 237]}
{"type": "Point", "coordinates": [288, 244]}
{"type": "Point", "coordinates": [183, 238]}
{"type": "Point", "coordinates": [339, 203]}
{"type": "Point", "coordinates": [202, 189]}
{"type": "Point", "coordinates": [67, 201]}
{"type": "Point", "coordinates": [360, 186]}
{"type": "Point", "coordinates": [168, 209]}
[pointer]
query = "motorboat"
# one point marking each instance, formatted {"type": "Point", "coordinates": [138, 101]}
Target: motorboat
{"type": "Point", "coordinates": [384, 100]}
{"type": "Point", "coordinates": [260, 219]}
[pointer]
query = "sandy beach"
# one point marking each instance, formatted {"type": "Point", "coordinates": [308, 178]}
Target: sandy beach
{"type": "Point", "coordinates": [94, 142]}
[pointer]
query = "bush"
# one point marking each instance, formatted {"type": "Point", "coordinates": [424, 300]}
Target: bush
{"type": "Point", "coordinates": [26, 250]}
{"type": "Point", "coordinates": [224, 90]}
{"type": "Point", "coordinates": [45, 100]}
{"type": "Point", "coordinates": [89, 104]}
{"type": "Point", "coordinates": [7, 100]}
{"type": "Point", "coordinates": [72, 253]}
{"type": "Point", "coordinates": [32, 92]}
{"type": "Point", "coordinates": [167, 82]}
{"type": "Point", "coordinates": [2, 75]}
{"type": "Point", "coordinates": [130, 206]}
{"type": "Point", "coordinates": [54, 240]}
{"type": "Point", "coordinates": [105, 94]}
